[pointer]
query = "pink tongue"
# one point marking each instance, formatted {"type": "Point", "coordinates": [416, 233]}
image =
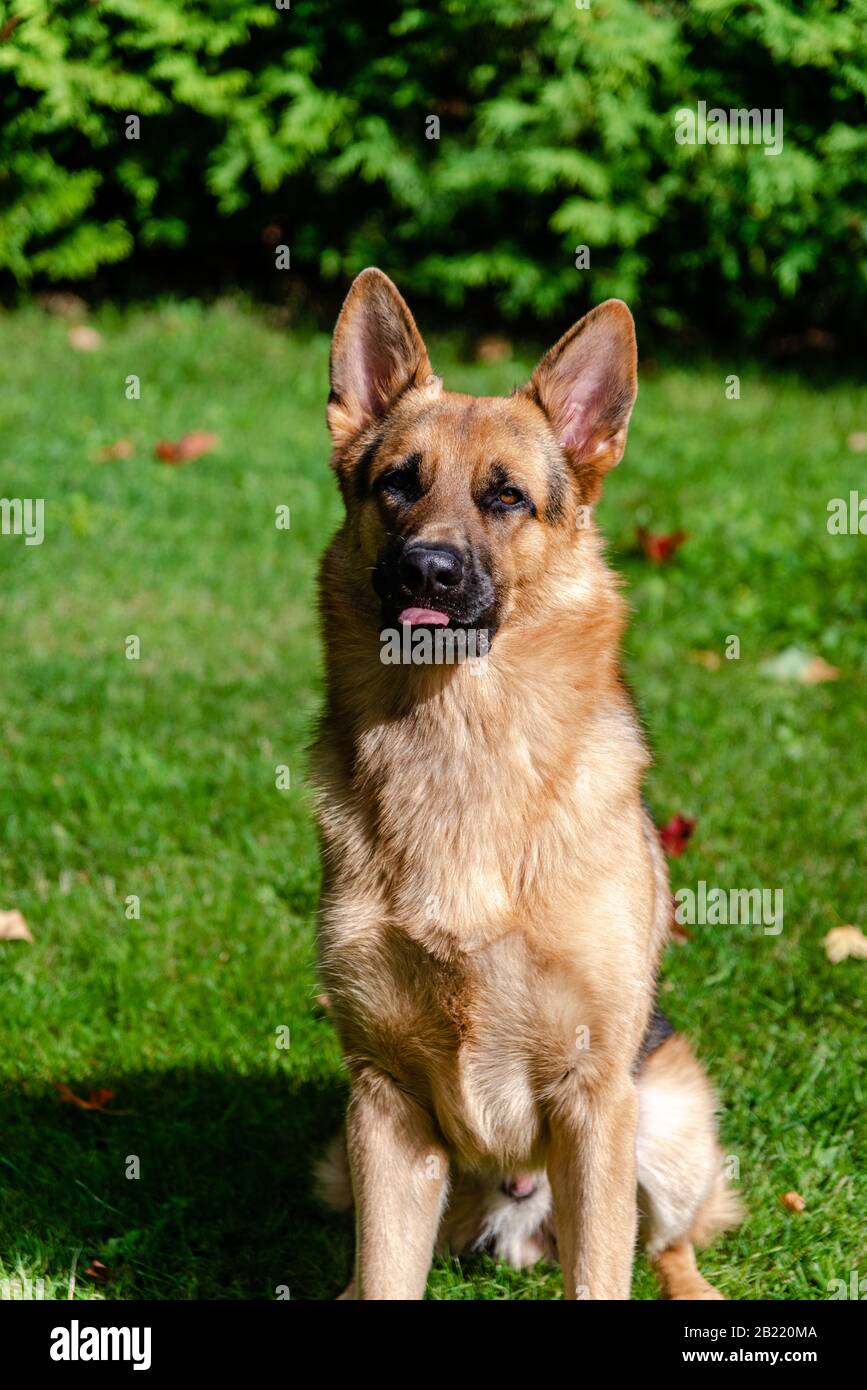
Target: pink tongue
{"type": "Point", "coordinates": [423, 615]}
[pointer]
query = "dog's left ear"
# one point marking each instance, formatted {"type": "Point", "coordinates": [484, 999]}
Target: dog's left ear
{"type": "Point", "coordinates": [587, 385]}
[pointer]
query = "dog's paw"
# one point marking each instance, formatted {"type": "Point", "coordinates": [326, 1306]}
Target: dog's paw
{"type": "Point", "coordinates": [702, 1293]}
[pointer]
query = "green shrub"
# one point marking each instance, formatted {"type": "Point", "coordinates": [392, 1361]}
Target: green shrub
{"type": "Point", "coordinates": [556, 130]}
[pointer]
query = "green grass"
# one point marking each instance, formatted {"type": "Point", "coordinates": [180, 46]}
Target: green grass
{"type": "Point", "coordinates": [157, 778]}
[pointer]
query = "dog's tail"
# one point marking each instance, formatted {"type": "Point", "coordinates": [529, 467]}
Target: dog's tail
{"type": "Point", "coordinates": [331, 1175]}
{"type": "Point", "coordinates": [721, 1210]}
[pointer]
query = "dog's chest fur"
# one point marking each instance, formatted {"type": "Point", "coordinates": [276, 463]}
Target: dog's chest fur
{"type": "Point", "coordinates": [479, 921]}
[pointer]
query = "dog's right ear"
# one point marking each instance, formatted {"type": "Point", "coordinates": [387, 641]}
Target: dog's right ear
{"type": "Point", "coordinates": [376, 353]}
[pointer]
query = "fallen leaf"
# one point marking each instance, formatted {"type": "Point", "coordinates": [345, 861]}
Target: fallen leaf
{"type": "Point", "coordinates": [676, 834]}
{"type": "Point", "coordinates": [677, 930]}
{"type": "Point", "coordinates": [843, 942]}
{"type": "Point", "coordinates": [10, 26]}
{"type": "Point", "coordinates": [493, 348]}
{"type": "Point", "coordinates": [857, 441]}
{"type": "Point", "coordinates": [453, 106]}
{"type": "Point", "coordinates": [189, 446]}
{"type": "Point", "coordinates": [794, 664]}
{"type": "Point", "coordinates": [818, 671]}
{"type": "Point", "coordinates": [97, 1100]}
{"type": "Point", "coordinates": [63, 304]}
{"type": "Point", "coordinates": [793, 1201]}
{"type": "Point", "coordinates": [658, 548]}
{"type": "Point", "coordinates": [711, 661]}
{"type": "Point", "coordinates": [120, 449]}
{"type": "Point", "coordinates": [814, 338]}
{"type": "Point", "coordinates": [13, 927]}
{"type": "Point", "coordinates": [97, 1270]}
{"type": "Point", "coordinates": [272, 234]}
{"type": "Point", "coordinates": [83, 338]}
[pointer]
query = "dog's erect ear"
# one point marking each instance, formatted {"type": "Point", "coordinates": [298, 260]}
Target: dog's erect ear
{"type": "Point", "coordinates": [376, 353]}
{"type": "Point", "coordinates": [587, 384]}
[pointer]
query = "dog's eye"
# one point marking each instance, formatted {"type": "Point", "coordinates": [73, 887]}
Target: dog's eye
{"type": "Point", "coordinates": [509, 496]}
{"type": "Point", "coordinates": [400, 483]}
{"type": "Point", "coordinates": [505, 497]}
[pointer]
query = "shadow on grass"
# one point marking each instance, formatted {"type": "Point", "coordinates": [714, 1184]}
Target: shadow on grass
{"type": "Point", "coordinates": [223, 1206]}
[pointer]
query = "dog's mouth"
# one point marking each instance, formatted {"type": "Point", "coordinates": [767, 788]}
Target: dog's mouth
{"type": "Point", "coordinates": [403, 611]}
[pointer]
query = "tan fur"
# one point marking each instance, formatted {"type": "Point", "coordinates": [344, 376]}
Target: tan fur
{"type": "Point", "coordinates": [492, 885]}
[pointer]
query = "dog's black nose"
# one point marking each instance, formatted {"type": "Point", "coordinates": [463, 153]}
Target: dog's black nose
{"type": "Point", "coordinates": [431, 569]}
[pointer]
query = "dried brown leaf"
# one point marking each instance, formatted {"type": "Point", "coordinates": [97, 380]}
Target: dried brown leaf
{"type": "Point", "coordinates": [13, 927]}
{"type": "Point", "coordinates": [793, 1201]}
{"type": "Point", "coordinates": [818, 671]}
{"type": "Point", "coordinates": [84, 338]}
{"type": "Point", "coordinates": [841, 943]}
{"type": "Point", "coordinates": [711, 661]}
{"type": "Point", "coordinates": [120, 449]}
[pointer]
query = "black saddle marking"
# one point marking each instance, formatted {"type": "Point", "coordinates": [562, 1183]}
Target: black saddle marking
{"type": "Point", "coordinates": [658, 1029]}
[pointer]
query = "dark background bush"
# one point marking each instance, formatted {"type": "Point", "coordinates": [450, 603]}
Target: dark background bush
{"type": "Point", "coordinates": [307, 127]}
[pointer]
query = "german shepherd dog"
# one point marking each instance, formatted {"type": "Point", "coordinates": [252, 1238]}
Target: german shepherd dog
{"type": "Point", "coordinates": [495, 898]}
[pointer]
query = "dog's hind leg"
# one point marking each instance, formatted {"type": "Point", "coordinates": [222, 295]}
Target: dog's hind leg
{"type": "Point", "coordinates": [683, 1196]}
{"type": "Point", "coordinates": [679, 1274]}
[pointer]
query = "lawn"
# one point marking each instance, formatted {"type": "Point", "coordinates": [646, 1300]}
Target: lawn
{"type": "Point", "coordinates": [155, 779]}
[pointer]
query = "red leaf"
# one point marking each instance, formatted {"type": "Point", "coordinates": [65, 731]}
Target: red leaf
{"type": "Point", "coordinates": [97, 1270]}
{"type": "Point", "coordinates": [97, 1100]}
{"type": "Point", "coordinates": [676, 834]}
{"type": "Point", "coordinates": [659, 549]}
{"type": "Point", "coordinates": [189, 446]}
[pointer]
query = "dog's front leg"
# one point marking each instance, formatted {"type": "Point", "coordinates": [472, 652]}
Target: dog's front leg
{"type": "Point", "coordinates": [591, 1167]}
{"type": "Point", "coordinates": [399, 1174]}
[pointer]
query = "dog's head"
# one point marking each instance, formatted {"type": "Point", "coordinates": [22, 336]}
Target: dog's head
{"type": "Point", "coordinates": [461, 507]}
